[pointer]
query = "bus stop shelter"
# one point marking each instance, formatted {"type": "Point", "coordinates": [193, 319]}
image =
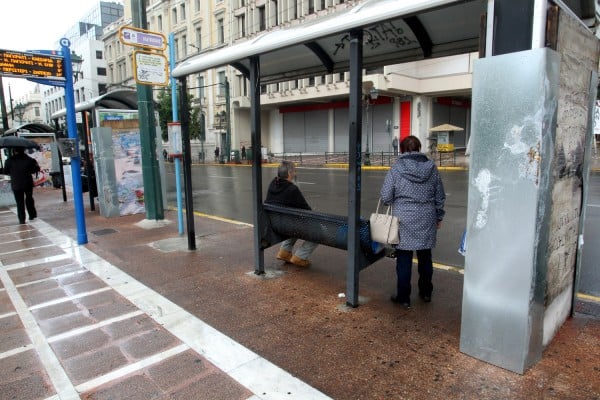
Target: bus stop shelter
{"type": "Point", "coordinates": [511, 305]}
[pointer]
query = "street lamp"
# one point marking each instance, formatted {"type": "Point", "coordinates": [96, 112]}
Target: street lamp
{"type": "Point", "coordinates": [20, 112]}
{"type": "Point", "coordinates": [77, 64]}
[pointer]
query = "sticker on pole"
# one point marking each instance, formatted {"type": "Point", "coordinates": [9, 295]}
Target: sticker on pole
{"type": "Point", "coordinates": [150, 68]}
{"type": "Point", "coordinates": [142, 38]}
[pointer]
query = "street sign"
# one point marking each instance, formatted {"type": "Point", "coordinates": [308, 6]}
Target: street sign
{"type": "Point", "coordinates": [150, 68]}
{"type": "Point", "coordinates": [142, 38]}
{"type": "Point", "coordinates": [31, 65]}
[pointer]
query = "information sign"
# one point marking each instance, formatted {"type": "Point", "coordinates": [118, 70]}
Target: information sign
{"type": "Point", "coordinates": [142, 38]}
{"type": "Point", "coordinates": [32, 65]}
{"type": "Point", "coordinates": [150, 68]}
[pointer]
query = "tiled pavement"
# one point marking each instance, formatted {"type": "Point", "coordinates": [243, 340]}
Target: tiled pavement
{"type": "Point", "coordinates": [119, 318]}
{"type": "Point", "coordinates": [74, 326]}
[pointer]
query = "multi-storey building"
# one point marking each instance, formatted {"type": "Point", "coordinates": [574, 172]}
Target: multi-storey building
{"type": "Point", "coordinates": [26, 109]}
{"type": "Point", "coordinates": [86, 43]}
{"type": "Point", "coordinates": [303, 115]}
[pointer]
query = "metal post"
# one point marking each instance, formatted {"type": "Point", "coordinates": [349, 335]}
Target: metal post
{"type": "Point", "coordinates": [150, 172]}
{"type": "Point", "coordinates": [228, 111]}
{"type": "Point", "coordinates": [175, 119]}
{"type": "Point", "coordinates": [86, 153]}
{"type": "Point", "coordinates": [187, 163]}
{"type": "Point", "coordinates": [259, 254]}
{"type": "Point", "coordinates": [72, 131]}
{"type": "Point", "coordinates": [61, 166]}
{"type": "Point", "coordinates": [354, 175]}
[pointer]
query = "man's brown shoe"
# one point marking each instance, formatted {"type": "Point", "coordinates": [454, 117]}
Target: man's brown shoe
{"type": "Point", "coordinates": [284, 255]}
{"type": "Point", "coordinates": [299, 262]}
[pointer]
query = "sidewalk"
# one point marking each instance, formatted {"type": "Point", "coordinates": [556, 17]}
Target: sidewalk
{"type": "Point", "coordinates": [135, 315]}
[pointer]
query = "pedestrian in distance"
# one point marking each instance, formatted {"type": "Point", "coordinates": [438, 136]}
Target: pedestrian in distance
{"type": "Point", "coordinates": [395, 145]}
{"type": "Point", "coordinates": [217, 154]}
{"type": "Point", "coordinates": [415, 190]}
{"type": "Point", "coordinates": [283, 192]}
{"type": "Point", "coordinates": [20, 167]}
{"type": "Point", "coordinates": [243, 152]}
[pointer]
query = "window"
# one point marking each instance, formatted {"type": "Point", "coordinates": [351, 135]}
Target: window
{"type": "Point", "coordinates": [36, 111]}
{"type": "Point", "coordinates": [101, 71]}
{"type": "Point", "coordinates": [182, 12]}
{"type": "Point", "coordinates": [261, 19]}
{"type": "Point", "coordinates": [198, 39]}
{"type": "Point", "coordinates": [102, 88]}
{"type": "Point", "coordinates": [311, 6]}
{"type": "Point", "coordinates": [184, 45]}
{"type": "Point", "coordinates": [176, 45]}
{"type": "Point", "coordinates": [222, 79]}
{"type": "Point", "coordinates": [295, 9]}
{"type": "Point", "coordinates": [275, 8]}
{"type": "Point", "coordinates": [201, 87]}
{"type": "Point", "coordinates": [242, 25]}
{"type": "Point", "coordinates": [160, 28]}
{"type": "Point", "coordinates": [220, 31]}
{"type": "Point", "coordinates": [174, 16]}
{"type": "Point", "coordinates": [98, 55]}
{"type": "Point", "coordinates": [197, 5]}
{"type": "Point", "coordinates": [323, 5]}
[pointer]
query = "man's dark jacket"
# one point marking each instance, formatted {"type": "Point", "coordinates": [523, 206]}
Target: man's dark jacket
{"type": "Point", "coordinates": [284, 193]}
{"type": "Point", "coordinates": [20, 167]}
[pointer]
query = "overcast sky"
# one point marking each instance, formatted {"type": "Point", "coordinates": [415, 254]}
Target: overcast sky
{"type": "Point", "coordinates": [37, 24]}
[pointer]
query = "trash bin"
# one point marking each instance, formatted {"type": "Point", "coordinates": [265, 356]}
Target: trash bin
{"type": "Point", "coordinates": [249, 153]}
{"type": "Point", "coordinates": [235, 156]}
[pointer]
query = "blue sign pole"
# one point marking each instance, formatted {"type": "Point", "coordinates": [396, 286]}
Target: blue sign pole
{"type": "Point", "coordinates": [176, 119]}
{"type": "Point", "coordinates": [72, 131]}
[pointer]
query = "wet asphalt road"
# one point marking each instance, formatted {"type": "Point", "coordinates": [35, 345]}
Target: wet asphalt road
{"type": "Point", "coordinates": [226, 191]}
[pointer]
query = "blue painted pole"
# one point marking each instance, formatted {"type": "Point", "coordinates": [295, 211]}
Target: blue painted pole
{"type": "Point", "coordinates": [72, 131]}
{"type": "Point", "coordinates": [176, 119]}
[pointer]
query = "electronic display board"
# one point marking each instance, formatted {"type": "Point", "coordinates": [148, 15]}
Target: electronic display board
{"type": "Point", "coordinates": [31, 65]}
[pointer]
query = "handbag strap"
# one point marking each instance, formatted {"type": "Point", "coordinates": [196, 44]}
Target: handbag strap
{"type": "Point", "coordinates": [389, 209]}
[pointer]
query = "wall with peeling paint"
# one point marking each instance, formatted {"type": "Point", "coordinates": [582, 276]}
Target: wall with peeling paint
{"type": "Point", "coordinates": [579, 52]}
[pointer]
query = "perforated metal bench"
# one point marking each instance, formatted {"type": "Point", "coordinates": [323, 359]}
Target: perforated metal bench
{"type": "Point", "coordinates": [326, 229]}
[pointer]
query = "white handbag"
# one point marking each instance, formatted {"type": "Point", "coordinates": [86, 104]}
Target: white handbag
{"type": "Point", "coordinates": [384, 227]}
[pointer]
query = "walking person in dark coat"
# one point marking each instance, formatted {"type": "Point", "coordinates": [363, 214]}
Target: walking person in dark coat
{"type": "Point", "coordinates": [20, 167]}
{"type": "Point", "coordinates": [414, 188]}
{"type": "Point", "coordinates": [283, 192]}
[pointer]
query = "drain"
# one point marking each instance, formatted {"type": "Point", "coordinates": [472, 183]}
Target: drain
{"type": "Point", "coordinates": [106, 231]}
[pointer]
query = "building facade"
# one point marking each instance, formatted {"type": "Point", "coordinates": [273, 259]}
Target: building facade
{"type": "Point", "coordinates": [307, 115]}
{"type": "Point", "coordinates": [86, 42]}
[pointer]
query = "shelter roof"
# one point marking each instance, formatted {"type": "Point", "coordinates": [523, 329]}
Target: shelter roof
{"type": "Point", "coordinates": [121, 99]}
{"type": "Point", "coordinates": [29, 128]}
{"type": "Point", "coordinates": [394, 32]}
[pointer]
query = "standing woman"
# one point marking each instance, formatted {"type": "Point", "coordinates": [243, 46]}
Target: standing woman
{"type": "Point", "coordinates": [414, 188]}
{"type": "Point", "coordinates": [20, 167]}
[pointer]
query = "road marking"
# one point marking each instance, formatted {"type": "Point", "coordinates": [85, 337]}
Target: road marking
{"type": "Point", "coordinates": [32, 263]}
{"type": "Point", "coordinates": [27, 249]}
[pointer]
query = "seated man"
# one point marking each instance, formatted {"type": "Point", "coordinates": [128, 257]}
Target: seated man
{"type": "Point", "coordinates": [283, 192]}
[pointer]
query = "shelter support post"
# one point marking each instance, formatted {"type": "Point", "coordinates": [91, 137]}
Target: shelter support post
{"type": "Point", "coordinates": [61, 166]}
{"type": "Point", "coordinates": [259, 256]}
{"type": "Point", "coordinates": [354, 174]}
{"type": "Point", "coordinates": [86, 150]}
{"type": "Point", "coordinates": [187, 163]}
{"type": "Point", "coordinates": [150, 171]}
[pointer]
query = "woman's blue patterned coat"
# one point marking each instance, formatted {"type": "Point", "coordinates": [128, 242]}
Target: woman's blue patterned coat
{"type": "Point", "coordinates": [414, 188]}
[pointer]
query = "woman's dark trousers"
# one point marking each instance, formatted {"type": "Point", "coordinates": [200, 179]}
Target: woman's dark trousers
{"type": "Point", "coordinates": [404, 272]}
{"type": "Point", "coordinates": [24, 199]}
